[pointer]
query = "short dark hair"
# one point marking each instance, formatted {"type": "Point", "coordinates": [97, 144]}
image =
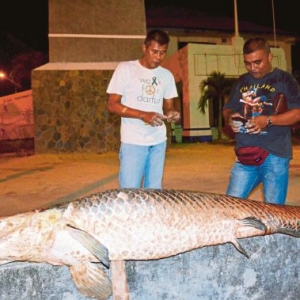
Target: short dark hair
{"type": "Point", "coordinates": [157, 35]}
{"type": "Point", "coordinates": [254, 44]}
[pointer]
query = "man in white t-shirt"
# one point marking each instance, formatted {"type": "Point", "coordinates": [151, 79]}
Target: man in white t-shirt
{"type": "Point", "coordinates": [142, 92]}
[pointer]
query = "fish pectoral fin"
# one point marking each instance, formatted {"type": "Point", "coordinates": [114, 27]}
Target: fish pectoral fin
{"type": "Point", "coordinates": [239, 248]}
{"type": "Point", "coordinates": [91, 280]}
{"type": "Point", "coordinates": [90, 243]}
{"type": "Point", "coordinates": [253, 222]}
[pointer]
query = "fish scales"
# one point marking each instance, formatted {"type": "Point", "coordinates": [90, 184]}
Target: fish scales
{"type": "Point", "coordinates": [135, 224]}
{"type": "Point", "coordinates": [151, 224]}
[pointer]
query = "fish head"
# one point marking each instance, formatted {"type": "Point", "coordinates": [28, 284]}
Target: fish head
{"type": "Point", "coordinates": [22, 235]}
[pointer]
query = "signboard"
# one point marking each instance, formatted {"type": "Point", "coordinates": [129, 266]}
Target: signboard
{"type": "Point", "coordinates": [16, 116]}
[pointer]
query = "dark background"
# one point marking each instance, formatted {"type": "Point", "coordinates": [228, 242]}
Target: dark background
{"type": "Point", "coordinates": [278, 14]}
{"type": "Point", "coordinates": [25, 22]}
{"type": "Point", "coordinates": [28, 19]}
{"type": "Point", "coordinates": [286, 12]}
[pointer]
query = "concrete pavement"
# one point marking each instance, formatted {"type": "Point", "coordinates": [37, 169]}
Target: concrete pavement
{"type": "Point", "coordinates": [42, 180]}
{"type": "Point", "coordinates": [219, 272]}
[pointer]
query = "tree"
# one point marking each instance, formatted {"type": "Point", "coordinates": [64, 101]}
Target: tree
{"type": "Point", "coordinates": [22, 66]}
{"type": "Point", "coordinates": [215, 89]}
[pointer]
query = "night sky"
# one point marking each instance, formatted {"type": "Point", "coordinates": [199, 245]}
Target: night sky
{"type": "Point", "coordinates": [256, 11]}
{"type": "Point", "coordinates": [27, 20]}
{"type": "Point", "coordinates": [284, 14]}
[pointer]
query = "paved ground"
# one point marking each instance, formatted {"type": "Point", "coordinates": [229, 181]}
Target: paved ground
{"type": "Point", "coordinates": [31, 182]}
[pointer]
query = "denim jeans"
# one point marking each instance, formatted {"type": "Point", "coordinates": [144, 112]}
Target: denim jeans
{"type": "Point", "coordinates": [273, 174]}
{"type": "Point", "coordinates": [142, 166]}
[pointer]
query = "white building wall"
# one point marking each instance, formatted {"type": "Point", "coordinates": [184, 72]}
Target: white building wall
{"type": "Point", "coordinates": [193, 64]}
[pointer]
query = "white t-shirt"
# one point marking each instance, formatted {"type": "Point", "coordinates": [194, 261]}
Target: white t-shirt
{"type": "Point", "coordinates": [143, 89]}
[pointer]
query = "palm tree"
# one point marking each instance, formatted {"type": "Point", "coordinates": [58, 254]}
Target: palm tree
{"type": "Point", "coordinates": [215, 89]}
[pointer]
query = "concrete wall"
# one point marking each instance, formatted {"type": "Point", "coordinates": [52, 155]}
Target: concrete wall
{"type": "Point", "coordinates": [211, 273]}
{"type": "Point", "coordinates": [95, 30]}
{"type": "Point", "coordinates": [70, 111]}
{"type": "Point", "coordinates": [86, 41]}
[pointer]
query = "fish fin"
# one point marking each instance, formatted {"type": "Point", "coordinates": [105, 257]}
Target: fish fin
{"type": "Point", "coordinates": [240, 248]}
{"type": "Point", "coordinates": [253, 222]}
{"type": "Point", "coordinates": [119, 280]}
{"type": "Point", "coordinates": [90, 243]}
{"type": "Point", "coordinates": [91, 280]}
{"type": "Point", "coordinates": [289, 231]}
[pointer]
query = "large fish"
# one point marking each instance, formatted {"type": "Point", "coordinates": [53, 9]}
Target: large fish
{"type": "Point", "coordinates": [135, 224]}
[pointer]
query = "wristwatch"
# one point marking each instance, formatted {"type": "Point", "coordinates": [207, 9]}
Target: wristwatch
{"type": "Point", "coordinates": [269, 121]}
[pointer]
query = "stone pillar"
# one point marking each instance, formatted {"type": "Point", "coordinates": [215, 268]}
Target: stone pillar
{"type": "Point", "coordinates": [87, 39]}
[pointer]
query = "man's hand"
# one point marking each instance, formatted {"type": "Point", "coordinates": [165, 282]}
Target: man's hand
{"type": "Point", "coordinates": [237, 122]}
{"type": "Point", "coordinates": [172, 116]}
{"type": "Point", "coordinates": [152, 118]}
{"type": "Point", "coordinates": [256, 124]}
{"type": "Point", "coordinates": [157, 120]}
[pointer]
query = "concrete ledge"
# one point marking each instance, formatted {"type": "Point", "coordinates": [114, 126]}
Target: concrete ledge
{"type": "Point", "coordinates": [77, 66]}
{"type": "Point", "coordinates": [30, 281]}
{"type": "Point", "coordinates": [217, 272]}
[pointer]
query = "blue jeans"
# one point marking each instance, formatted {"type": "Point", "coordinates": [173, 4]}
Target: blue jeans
{"type": "Point", "coordinates": [273, 174]}
{"type": "Point", "coordinates": [142, 166]}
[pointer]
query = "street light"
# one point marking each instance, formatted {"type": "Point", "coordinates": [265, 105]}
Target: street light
{"type": "Point", "coordinates": [3, 76]}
